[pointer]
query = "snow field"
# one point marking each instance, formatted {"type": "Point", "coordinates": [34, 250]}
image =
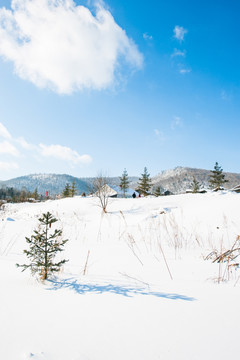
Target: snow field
{"type": "Point", "coordinates": [126, 306]}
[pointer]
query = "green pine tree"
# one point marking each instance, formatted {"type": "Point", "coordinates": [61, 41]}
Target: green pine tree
{"type": "Point", "coordinates": [73, 189]}
{"type": "Point", "coordinates": [124, 182]}
{"type": "Point", "coordinates": [195, 185]}
{"type": "Point", "coordinates": [144, 184]}
{"type": "Point", "coordinates": [157, 191]}
{"type": "Point", "coordinates": [217, 179]}
{"type": "Point", "coordinates": [24, 195]}
{"type": "Point", "coordinates": [66, 191]}
{"type": "Point", "coordinates": [43, 247]}
{"type": "Point", "coordinates": [35, 194]}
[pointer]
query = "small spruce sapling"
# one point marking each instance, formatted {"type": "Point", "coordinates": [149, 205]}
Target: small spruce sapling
{"type": "Point", "coordinates": [35, 194]}
{"type": "Point", "coordinates": [145, 183]}
{"type": "Point", "coordinates": [217, 179]}
{"type": "Point", "coordinates": [43, 247]}
{"type": "Point", "coordinates": [67, 191]}
{"type": "Point", "coordinates": [195, 185]}
{"type": "Point", "coordinates": [124, 182]}
{"type": "Point", "coordinates": [157, 191]}
{"type": "Point", "coordinates": [73, 189]}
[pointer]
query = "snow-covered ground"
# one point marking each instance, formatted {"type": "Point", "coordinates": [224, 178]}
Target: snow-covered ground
{"type": "Point", "coordinates": [148, 292]}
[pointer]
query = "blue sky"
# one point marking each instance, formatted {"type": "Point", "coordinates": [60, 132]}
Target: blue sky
{"type": "Point", "coordinates": [88, 86]}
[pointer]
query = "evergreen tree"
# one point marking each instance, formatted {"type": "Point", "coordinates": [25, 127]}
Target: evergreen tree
{"type": "Point", "coordinates": [124, 182]}
{"type": "Point", "coordinates": [144, 184]}
{"type": "Point", "coordinates": [73, 189]}
{"type": "Point", "coordinates": [24, 195]}
{"type": "Point", "coordinates": [35, 194]}
{"type": "Point", "coordinates": [43, 247]}
{"type": "Point", "coordinates": [157, 191]}
{"type": "Point", "coordinates": [66, 191]}
{"type": "Point", "coordinates": [195, 185]}
{"type": "Point", "coordinates": [217, 179]}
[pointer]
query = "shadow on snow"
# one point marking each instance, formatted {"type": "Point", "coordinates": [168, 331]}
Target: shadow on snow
{"type": "Point", "coordinates": [127, 291]}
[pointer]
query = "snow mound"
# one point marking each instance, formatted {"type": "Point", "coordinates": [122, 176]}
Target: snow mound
{"type": "Point", "coordinates": [39, 356]}
{"type": "Point", "coordinates": [47, 356]}
{"type": "Point", "coordinates": [137, 286]}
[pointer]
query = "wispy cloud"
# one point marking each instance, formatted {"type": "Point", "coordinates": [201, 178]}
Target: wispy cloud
{"type": "Point", "coordinates": [24, 144]}
{"type": "Point", "coordinates": [184, 71]}
{"type": "Point", "coordinates": [64, 153]}
{"type": "Point", "coordinates": [63, 46]}
{"type": "Point", "coordinates": [7, 148]}
{"type": "Point", "coordinates": [19, 147]}
{"type": "Point", "coordinates": [179, 32]}
{"type": "Point", "coordinates": [4, 132]}
{"type": "Point", "coordinates": [225, 95]}
{"type": "Point", "coordinates": [146, 36]}
{"type": "Point", "coordinates": [160, 135]}
{"type": "Point", "coordinates": [176, 122]}
{"type": "Point", "coordinates": [6, 166]}
{"type": "Point", "coordinates": [178, 52]}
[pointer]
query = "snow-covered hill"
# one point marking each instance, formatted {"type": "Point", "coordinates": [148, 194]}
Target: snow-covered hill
{"type": "Point", "coordinates": [147, 293]}
{"type": "Point", "coordinates": [176, 180]}
{"type": "Point", "coordinates": [54, 183]}
{"type": "Point", "coordinates": [179, 179]}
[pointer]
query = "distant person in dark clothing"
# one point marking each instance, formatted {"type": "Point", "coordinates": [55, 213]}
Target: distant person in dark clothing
{"type": "Point", "coordinates": [134, 195]}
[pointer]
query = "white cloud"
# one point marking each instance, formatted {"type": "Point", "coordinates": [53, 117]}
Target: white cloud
{"type": "Point", "coordinates": [177, 122]}
{"type": "Point", "coordinates": [11, 146]}
{"type": "Point", "coordinates": [64, 153]}
{"type": "Point", "coordinates": [225, 95]}
{"type": "Point", "coordinates": [146, 36]}
{"type": "Point", "coordinates": [185, 71]}
{"type": "Point", "coordinates": [24, 144]}
{"type": "Point", "coordinates": [177, 52]}
{"type": "Point", "coordinates": [7, 148]}
{"type": "Point", "coordinates": [62, 46]}
{"type": "Point", "coordinates": [179, 32]}
{"type": "Point", "coordinates": [160, 135]}
{"type": "Point", "coordinates": [8, 165]}
{"type": "Point", "coordinates": [4, 132]}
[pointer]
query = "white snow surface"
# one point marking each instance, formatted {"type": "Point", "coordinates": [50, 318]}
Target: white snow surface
{"type": "Point", "coordinates": [169, 173]}
{"type": "Point", "coordinates": [126, 306]}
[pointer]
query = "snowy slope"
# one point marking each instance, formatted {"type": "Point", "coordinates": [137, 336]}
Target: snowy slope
{"type": "Point", "coordinates": [176, 180]}
{"type": "Point", "coordinates": [147, 294]}
{"type": "Point", "coordinates": [179, 179]}
{"type": "Point", "coordinates": [53, 183]}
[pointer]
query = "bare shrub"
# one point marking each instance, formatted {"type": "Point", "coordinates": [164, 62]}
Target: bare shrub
{"type": "Point", "coordinates": [228, 258]}
{"type": "Point", "coordinates": [102, 190]}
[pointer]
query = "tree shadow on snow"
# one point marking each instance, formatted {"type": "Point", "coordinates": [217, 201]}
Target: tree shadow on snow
{"type": "Point", "coordinates": [127, 291]}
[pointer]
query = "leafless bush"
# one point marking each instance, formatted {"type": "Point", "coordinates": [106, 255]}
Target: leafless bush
{"type": "Point", "coordinates": [102, 190]}
{"type": "Point", "coordinates": [226, 257]}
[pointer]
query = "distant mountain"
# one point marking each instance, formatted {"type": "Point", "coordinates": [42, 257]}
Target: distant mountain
{"type": "Point", "coordinates": [179, 179]}
{"type": "Point", "coordinates": [176, 180]}
{"type": "Point", "coordinates": [54, 183]}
